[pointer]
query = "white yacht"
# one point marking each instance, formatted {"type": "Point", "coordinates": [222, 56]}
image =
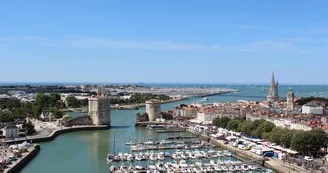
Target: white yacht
{"type": "Point", "coordinates": [183, 164]}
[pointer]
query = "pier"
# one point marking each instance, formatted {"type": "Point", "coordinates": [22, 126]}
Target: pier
{"type": "Point", "coordinates": [181, 137]}
{"type": "Point", "coordinates": [170, 131]}
{"type": "Point", "coordinates": [170, 147]}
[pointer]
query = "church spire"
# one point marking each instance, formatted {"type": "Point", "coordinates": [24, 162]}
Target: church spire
{"type": "Point", "coordinates": [273, 81]}
{"type": "Point", "coordinates": [273, 93]}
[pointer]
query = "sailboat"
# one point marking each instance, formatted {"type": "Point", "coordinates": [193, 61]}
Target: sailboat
{"type": "Point", "coordinates": [111, 157]}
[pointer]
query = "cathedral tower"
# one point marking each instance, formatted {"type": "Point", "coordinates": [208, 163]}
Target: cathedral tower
{"type": "Point", "coordinates": [290, 100]}
{"type": "Point", "coordinates": [273, 93]}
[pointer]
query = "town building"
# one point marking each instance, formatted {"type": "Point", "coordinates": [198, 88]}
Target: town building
{"type": "Point", "coordinates": [188, 112]}
{"type": "Point", "coordinates": [312, 109]}
{"type": "Point", "coordinates": [290, 100]}
{"type": "Point", "coordinates": [99, 108]}
{"type": "Point", "coordinates": [206, 117]}
{"type": "Point", "coordinates": [273, 93]}
{"type": "Point", "coordinates": [10, 131]}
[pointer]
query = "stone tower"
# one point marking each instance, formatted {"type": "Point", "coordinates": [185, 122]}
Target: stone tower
{"type": "Point", "coordinates": [99, 108]}
{"type": "Point", "coordinates": [290, 100]}
{"type": "Point", "coordinates": [153, 109]}
{"type": "Point", "coordinates": [273, 93]}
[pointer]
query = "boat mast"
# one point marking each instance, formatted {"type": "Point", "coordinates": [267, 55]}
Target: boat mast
{"type": "Point", "coordinates": [114, 145]}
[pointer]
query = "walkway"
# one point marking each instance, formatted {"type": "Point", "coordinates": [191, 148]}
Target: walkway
{"type": "Point", "coordinates": [52, 133]}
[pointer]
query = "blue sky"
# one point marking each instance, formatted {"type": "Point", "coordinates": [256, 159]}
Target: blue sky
{"type": "Point", "coordinates": [175, 41]}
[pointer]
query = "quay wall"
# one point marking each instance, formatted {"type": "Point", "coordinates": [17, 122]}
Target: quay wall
{"type": "Point", "coordinates": [16, 167]}
{"type": "Point", "coordinates": [57, 132]}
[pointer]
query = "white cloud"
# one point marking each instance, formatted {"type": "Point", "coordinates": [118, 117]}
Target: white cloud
{"type": "Point", "coordinates": [252, 46]}
{"type": "Point", "coordinates": [295, 45]}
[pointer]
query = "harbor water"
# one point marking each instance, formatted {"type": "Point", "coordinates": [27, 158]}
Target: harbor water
{"type": "Point", "coordinates": [85, 152]}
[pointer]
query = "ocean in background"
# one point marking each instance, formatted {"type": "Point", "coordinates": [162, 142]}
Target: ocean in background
{"type": "Point", "coordinates": [244, 89]}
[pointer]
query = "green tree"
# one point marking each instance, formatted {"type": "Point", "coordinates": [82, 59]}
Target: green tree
{"type": "Point", "coordinates": [28, 108]}
{"type": "Point", "coordinates": [72, 102]}
{"type": "Point", "coordinates": [320, 139]}
{"type": "Point", "coordinates": [54, 98]}
{"type": "Point", "coordinates": [233, 124]}
{"type": "Point", "coordinates": [286, 138]}
{"type": "Point", "coordinates": [240, 126]}
{"type": "Point", "coordinates": [248, 128]}
{"type": "Point", "coordinates": [276, 134]}
{"type": "Point", "coordinates": [19, 111]}
{"type": "Point", "coordinates": [57, 113]}
{"type": "Point", "coordinates": [13, 103]}
{"type": "Point", "coordinates": [41, 100]}
{"type": "Point", "coordinates": [37, 110]}
{"type": "Point", "coordinates": [265, 126]}
{"type": "Point", "coordinates": [28, 128]}
{"type": "Point", "coordinates": [258, 122]}
{"type": "Point", "coordinates": [266, 135]}
{"type": "Point", "coordinates": [216, 121]}
{"type": "Point", "coordinates": [300, 142]}
{"type": "Point", "coordinates": [222, 122]}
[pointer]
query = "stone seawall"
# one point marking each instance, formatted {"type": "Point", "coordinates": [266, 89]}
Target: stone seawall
{"type": "Point", "coordinates": [57, 132]}
{"type": "Point", "coordinates": [23, 161]}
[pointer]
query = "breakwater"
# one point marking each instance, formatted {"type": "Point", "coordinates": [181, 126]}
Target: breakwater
{"type": "Point", "coordinates": [140, 105]}
{"type": "Point", "coordinates": [24, 160]}
{"type": "Point", "coordinates": [55, 133]}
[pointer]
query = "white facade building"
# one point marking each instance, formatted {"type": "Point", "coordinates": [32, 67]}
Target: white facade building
{"type": "Point", "coordinates": [188, 112]}
{"type": "Point", "coordinates": [10, 131]}
{"type": "Point", "coordinates": [312, 109]}
{"type": "Point", "coordinates": [203, 117]}
{"type": "Point", "coordinates": [285, 123]}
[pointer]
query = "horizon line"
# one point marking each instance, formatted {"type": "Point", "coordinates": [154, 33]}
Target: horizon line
{"type": "Point", "coordinates": [156, 83]}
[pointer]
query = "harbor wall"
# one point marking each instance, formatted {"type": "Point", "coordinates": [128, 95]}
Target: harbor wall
{"type": "Point", "coordinates": [16, 167]}
{"type": "Point", "coordinates": [55, 133]}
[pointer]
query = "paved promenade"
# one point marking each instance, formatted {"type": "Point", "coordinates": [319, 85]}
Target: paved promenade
{"type": "Point", "coordinates": [23, 159]}
{"type": "Point", "coordinates": [52, 133]}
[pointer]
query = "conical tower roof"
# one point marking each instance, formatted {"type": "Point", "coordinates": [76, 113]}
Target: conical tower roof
{"type": "Point", "coordinates": [273, 81]}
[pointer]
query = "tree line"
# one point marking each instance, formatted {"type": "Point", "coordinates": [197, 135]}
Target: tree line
{"type": "Point", "coordinates": [13, 109]}
{"type": "Point", "coordinates": [298, 140]}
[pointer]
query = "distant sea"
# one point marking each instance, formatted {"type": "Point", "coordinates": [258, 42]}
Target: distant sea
{"type": "Point", "coordinates": [245, 89]}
